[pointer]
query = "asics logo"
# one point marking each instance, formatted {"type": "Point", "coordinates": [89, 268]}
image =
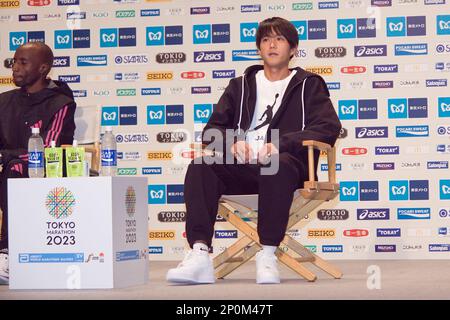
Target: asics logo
{"type": "Point", "coordinates": [156, 194]}
{"type": "Point", "coordinates": [396, 26]}
{"type": "Point", "coordinates": [18, 41]}
{"type": "Point", "coordinates": [109, 37]}
{"type": "Point", "coordinates": [154, 36]}
{"type": "Point", "coordinates": [249, 32]}
{"type": "Point", "coordinates": [348, 191]}
{"type": "Point", "coordinates": [398, 190]}
{"type": "Point", "coordinates": [62, 39]}
{"type": "Point", "coordinates": [201, 34]}
{"type": "Point", "coordinates": [445, 107]}
{"type": "Point", "coordinates": [444, 25]}
{"type": "Point", "coordinates": [348, 109]}
{"type": "Point", "coordinates": [346, 28]}
{"type": "Point", "coordinates": [398, 109]}
{"type": "Point", "coordinates": [156, 114]}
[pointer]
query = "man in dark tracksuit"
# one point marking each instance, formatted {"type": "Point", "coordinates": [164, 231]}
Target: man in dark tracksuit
{"type": "Point", "coordinates": [41, 103]}
{"type": "Point", "coordinates": [305, 112]}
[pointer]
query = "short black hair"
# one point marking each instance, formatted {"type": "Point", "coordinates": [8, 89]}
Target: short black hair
{"type": "Point", "coordinates": [281, 27]}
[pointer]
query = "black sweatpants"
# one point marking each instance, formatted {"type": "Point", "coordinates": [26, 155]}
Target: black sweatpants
{"type": "Point", "coordinates": [14, 169]}
{"type": "Point", "coordinates": [206, 183]}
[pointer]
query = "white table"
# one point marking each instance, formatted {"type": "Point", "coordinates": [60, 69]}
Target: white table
{"type": "Point", "coordinates": [78, 233]}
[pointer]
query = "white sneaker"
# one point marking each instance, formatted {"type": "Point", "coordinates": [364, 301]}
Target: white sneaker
{"type": "Point", "coordinates": [195, 268]}
{"type": "Point", "coordinates": [266, 268]}
{"type": "Point", "coordinates": [4, 267]}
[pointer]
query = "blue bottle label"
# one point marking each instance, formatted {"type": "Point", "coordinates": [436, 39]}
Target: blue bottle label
{"type": "Point", "coordinates": [36, 160]}
{"type": "Point", "coordinates": [109, 158]}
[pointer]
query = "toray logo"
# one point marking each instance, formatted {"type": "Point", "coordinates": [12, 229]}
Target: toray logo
{"type": "Point", "coordinates": [444, 189]}
{"type": "Point", "coordinates": [211, 33]}
{"type": "Point", "coordinates": [311, 29]}
{"type": "Point", "coordinates": [408, 190]}
{"type": "Point", "coordinates": [443, 24]}
{"type": "Point", "coordinates": [359, 191]}
{"type": "Point", "coordinates": [358, 109]}
{"type": "Point", "coordinates": [16, 39]}
{"type": "Point", "coordinates": [444, 106]}
{"type": "Point", "coordinates": [202, 112]}
{"type": "Point", "coordinates": [407, 108]}
{"type": "Point", "coordinates": [406, 26]}
{"type": "Point", "coordinates": [248, 31]}
{"type": "Point", "coordinates": [356, 28]}
{"type": "Point", "coordinates": [371, 132]}
{"type": "Point", "coordinates": [164, 35]}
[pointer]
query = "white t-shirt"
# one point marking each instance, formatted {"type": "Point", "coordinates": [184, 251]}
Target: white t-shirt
{"type": "Point", "coordinates": [269, 95]}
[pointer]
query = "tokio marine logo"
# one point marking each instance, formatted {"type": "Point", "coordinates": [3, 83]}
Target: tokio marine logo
{"type": "Point", "coordinates": [60, 202]}
{"type": "Point", "coordinates": [130, 201]}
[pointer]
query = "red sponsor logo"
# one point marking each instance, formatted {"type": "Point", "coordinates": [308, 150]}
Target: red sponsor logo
{"type": "Point", "coordinates": [354, 151]}
{"type": "Point", "coordinates": [38, 3]}
{"type": "Point", "coordinates": [353, 69]}
{"type": "Point", "coordinates": [356, 233]}
{"type": "Point", "coordinates": [192, 75]}
{"type": "Point", "coordinates": [184, 234]}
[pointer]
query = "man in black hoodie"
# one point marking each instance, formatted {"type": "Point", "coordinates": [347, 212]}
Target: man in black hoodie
{"type": "Point", "coordinates": [39, 103]}
{"type": "Point", "coordinates": [272, 109]}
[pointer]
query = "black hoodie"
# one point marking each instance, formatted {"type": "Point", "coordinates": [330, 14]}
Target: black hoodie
{"type": "Point", "coordinates": [306, 112]}
{"type": "Point", "coordinates": [52, 110]}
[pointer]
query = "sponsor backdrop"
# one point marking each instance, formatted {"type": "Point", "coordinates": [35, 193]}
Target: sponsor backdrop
{"type": "Point", "coordinates": [156, 69]}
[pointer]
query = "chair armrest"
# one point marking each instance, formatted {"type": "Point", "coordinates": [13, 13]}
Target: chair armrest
{"type": "Point", "coordinates": [331, 161]}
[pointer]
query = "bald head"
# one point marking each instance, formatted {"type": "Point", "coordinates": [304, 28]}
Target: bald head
{"type": "Point", "coordinates": [42, 52]}
{"type": "Point", "coordinates": [32, 63]}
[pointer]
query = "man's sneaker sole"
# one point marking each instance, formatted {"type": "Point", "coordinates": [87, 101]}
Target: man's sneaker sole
{"type": "Point", "coordinates": [188, 280]}
{"type": "Point", "coordinates": [268, 281]}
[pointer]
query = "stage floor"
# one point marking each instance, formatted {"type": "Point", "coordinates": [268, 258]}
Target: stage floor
{"type": "Point", "coordinates": [399, 279]}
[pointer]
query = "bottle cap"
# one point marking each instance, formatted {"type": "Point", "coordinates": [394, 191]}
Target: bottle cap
{"type": "Point", "coordinates": [74, 143]}
{"type": "Point", "coordinates": [34, 130]}
{"type": "Point", "coordinates": [53, 144]}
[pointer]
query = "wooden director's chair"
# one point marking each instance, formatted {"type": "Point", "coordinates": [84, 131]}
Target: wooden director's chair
{"type": "Point", "coordinates": [239, 210]}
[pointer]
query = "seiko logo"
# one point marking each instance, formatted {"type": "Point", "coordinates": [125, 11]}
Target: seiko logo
{"type": "Point", "coordinates": [333, 214]}
{"type": "Point", "coordinates": [173, 57]}
{"type": "Point", "coordinates": [330, 52]}
{"type": "Point", "coordinates": [161, 235]}
{"type": "Point", "coordinates": [321, 70]}
{"type": "Point", "coordinates": [159, 155]}
{"type": "Point", "coordinates": [321, 233]}
{"type": "Point", "coordinates": [152, 76]}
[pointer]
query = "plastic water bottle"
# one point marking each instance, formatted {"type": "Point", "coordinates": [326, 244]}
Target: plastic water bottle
{"type": "Point", "coordinates": [35, 155]}
{"type": "Point", "coordinates": [108, 153]}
